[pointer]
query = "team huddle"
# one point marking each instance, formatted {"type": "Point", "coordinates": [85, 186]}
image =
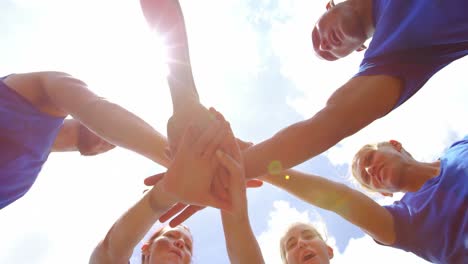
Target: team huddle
{"type": "Point", "coordinates": [208, 166]}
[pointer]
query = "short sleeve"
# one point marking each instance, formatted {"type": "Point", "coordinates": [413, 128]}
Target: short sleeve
{"type": "Point", "coordinates": [402, 225]}
{"type": "Point", "coordinates": [413, 75]}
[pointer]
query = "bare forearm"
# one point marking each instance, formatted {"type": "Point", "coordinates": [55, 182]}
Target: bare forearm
{"type": "Point", "coordinates": [167, 18]}
{"type": "Point", "coordinates": [319, 191]}
{"type": "Point", "coordinates": [122, 128]}
{"type": "Point", "coordinates": [350, 204]}
{"type": "Point", "coordinates": [294, 144]}
{"type": "Point", "coordinates": [110, 121]}
{"type": "Point", "coordinates": [130, 228]}
{"type": "Point", "coordinates": [241, 243]}
{"type": "Point", "coordinates": [180, 78]}
{"type": "Point", "coordinates": [353, 106]}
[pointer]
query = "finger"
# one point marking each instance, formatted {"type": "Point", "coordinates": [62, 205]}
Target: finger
{"type": "Point", "coordinates": [186, 214]}
{"type": "Point", "coordinates": [103, 144]}
{"type": "Point", "coordinates": [171, 212]}
{"type": "Point", "coordinates": [167, 152]}
{"type": "Point", "coordinates": [224, 178]}
{"type": "Point", "coordinates": [220, 184]}
{"type": "Point", "coordinates": [243, 144]}
{"type": "Point", "coordinates": [152, 180]}
{"type": "Point", "coordinates": [229, 163]}
{"type": "Point", "coordinates": [254, 183]}
{"type": "Point", "coordinates": [207, 136]}
{"type": "Point", "coordinates": [234, 150]}
{"type": "Point", "coordinates": [110, 146]}
{"type": "Point", "coordinates": [236, 175]}
{"type": "Point", "coordinates": [217, 114]}
{"type": "Point", "coordinates": [236, 182]}
{"type": "Point", "coordinates": [215, 143]}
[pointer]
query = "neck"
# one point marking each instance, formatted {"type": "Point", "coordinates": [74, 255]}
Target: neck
{"type": "Point", "coordinates": [364, 9]}
{"type": "Point", "coordinates": [419, 173]}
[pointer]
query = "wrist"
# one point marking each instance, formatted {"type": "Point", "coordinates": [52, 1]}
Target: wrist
{"type": "Point", "coordinates": [239, 214]}
{"type": "Point", "coordinates": [239, 218]}
{"type": "Point", "coordinates": [159, 199]}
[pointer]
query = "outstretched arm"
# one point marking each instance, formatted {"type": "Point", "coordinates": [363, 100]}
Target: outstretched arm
{"type": "Point", "coordinates": [351, 108]}
{"type": "Point", "coordinates": [60, 94]}
{"type": "Point", "coordinates": [241, 243]}
{"type": "Point", "coordinates": [110, 121]}
{"type": "Point", "coordinates": [188, 169]}
{"type": "Point", "coordinates": [166, 17]}
{"type": "Point", "coordinates": [131, 227]}
{"type": "Point", "coordinates": [350, 204]}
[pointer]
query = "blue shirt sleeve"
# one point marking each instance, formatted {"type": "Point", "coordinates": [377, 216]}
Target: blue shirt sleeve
{"type": "Point", "coordinates": [413, 74]}
{"type": "Point", "coordinates": [401, 225]}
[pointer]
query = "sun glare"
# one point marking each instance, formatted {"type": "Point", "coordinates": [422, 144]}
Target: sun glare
{"type": "Point", "coordinates": [153, 52]}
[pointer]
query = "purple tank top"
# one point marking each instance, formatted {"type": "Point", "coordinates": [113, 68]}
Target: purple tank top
{"type": "Point", "coordinates": [26, 136]}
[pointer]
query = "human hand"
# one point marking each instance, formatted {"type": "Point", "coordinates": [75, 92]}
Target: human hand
{"type": "Point", "coordinates": [190, 176]}
{"type": "Point", "coordinates": [182, 210]}
{"type": "Point", "coordinates": [90, 144]}
{"type": "Point", "coordinates": [200, 117]}
{"type": "Point", "coordinates": [193, 113]}
{"type": "Point", "coordinates": [233, 163]}
{"type": "Point", "coordinates": [220, 180]}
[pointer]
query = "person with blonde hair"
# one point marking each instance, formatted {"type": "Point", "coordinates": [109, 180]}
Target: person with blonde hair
{"type": "Point", "coordinates": [410, 41]}
{"type": "Point", "coordinates": [173, 245]}
{"type": "Point", "coordinates": [431, 220]}
{"type": "Point", "coordinates": [301, 243]}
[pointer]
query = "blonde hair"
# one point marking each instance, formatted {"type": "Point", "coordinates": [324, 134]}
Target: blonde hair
{"type": "Point", "coordinates": [283, 250]}
{"type": "Point", "coordinates": [355, 170]}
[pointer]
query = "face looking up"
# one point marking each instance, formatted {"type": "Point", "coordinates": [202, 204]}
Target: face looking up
{"type": "Point", "coordinates": [171, 246]}
{"type": "Point", "coordinates": [302, 244]}
{"type": "Point", "coordinates": [381, 167]}
{"type": "Point", "coordinates": [338, 33]}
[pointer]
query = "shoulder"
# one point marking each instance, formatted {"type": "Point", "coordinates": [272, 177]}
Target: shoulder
{"type": "Point", "coordinates": [35, 88]}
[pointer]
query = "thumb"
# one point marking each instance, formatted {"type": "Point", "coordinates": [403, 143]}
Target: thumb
{"type": "Point", "coordinates": [152, 180]}
{"type": "Point", "coordinates": [228, 162]}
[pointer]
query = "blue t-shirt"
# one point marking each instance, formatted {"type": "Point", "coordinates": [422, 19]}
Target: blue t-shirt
{"type": "Point", "coordinates": [414, 39]}
{"type": "Point", "coordinates": [433, 222]}
{"type": "Point", "coordinates": [26, 136]}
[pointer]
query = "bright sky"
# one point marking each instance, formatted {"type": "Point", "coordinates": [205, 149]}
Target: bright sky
{"type": "Point", "coordinates": [253, 61]}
